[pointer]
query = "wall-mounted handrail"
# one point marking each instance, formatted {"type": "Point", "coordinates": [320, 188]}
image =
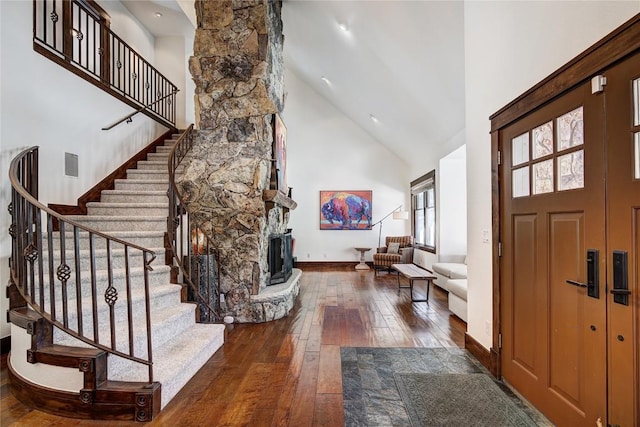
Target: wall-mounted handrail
{"type": "Point", "coordinates": [128, 117]}
{"type": "Point", "coordinates": [64, 287]}
{"type": "Point", "coordinates": [191, 248]}
{"type": "Point", "coordinates": [72, 34]}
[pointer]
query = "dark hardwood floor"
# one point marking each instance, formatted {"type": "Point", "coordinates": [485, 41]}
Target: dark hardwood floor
{"type": "Point", "coordinates": [287, 372]}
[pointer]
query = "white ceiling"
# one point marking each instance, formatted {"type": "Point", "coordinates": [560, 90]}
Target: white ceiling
{"type": "Point", "coordinates": [401, 61]}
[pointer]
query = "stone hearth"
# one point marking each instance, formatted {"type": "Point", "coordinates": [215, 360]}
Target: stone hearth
{"type": "Point", "coordinates": [237, 68]}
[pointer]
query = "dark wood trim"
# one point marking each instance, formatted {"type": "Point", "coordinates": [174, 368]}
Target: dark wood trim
{"type": "Point", "coordinates": [484, 356]}
{"type": "Point", "coordinates": [108, 183]}
{"type": "Point", "coordinates": [279, 198]}
{"type": "Point", "coordinates": [113, 401]}
{"type": "Point", "coordinates": [429, 176]}
{"type": "Point", "coordinates": [612, 48]}
{"type": "Point", "coordinates": [496, 239]}
{"type": "Point", "coordinates": [329, 265]}
{"type": "Point", "coordinates": [5, 345]}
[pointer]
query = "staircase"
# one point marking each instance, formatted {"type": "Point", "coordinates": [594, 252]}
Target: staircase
{"type": "Point", "coordinates": [135, 211]}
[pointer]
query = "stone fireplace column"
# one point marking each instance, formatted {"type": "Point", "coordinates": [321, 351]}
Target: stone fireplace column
{"type": "Point", "coordinates": [237, 68]}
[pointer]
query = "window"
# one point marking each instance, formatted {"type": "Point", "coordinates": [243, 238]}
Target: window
{"type": "Point", "coordinates": [423, 208]}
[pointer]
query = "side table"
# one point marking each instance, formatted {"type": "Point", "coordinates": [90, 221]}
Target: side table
{"type": "Point", "coordinates": [362, 265]}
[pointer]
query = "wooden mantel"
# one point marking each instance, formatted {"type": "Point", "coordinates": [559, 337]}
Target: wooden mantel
{"type": "Point", "coordinates": [279, 198]}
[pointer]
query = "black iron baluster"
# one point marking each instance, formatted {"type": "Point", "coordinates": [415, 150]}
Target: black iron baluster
{"type": "Point", "coordinates": [77, 35]}
{"type": "Point", "coordinates": [129, 304]}
{"type": "Point", "coordinates": [76, 252]}
{"type": "Point", "coordinates": [64, 272]}
{"type": "Point", "coordinates": [52, 283]}
{"type": "Point", "coordinates": [44, 20]}
{"type": "Point", "coordinates": [31, 252]}
{"type": "Point", "coordinates": [94, 290]}
{"type": "Point", "coordinates": [111, 296]}
{"type": "Point", "coordinates": [147, 268]}
{"type": "Point", "coordinates": [86, 50]}
{"type": "Point", "coordinates": [38, 240]}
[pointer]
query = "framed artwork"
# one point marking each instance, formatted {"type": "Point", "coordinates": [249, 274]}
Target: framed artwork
{"type": "Point", "coordinates": [280, 153]}
{"type": "Point", "coordinates": [345, 210]}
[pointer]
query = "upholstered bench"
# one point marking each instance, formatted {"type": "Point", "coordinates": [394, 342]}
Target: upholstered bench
{"type": "Point", "coordinates": [458, 297]}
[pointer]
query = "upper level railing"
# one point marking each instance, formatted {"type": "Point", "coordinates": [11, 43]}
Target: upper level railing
{"type": "Point", "coordinates": [78, 279]}
{"type": "Point", "coordinates": [76, 34]}
{"type": "Point", "coordinates": [194, 254]}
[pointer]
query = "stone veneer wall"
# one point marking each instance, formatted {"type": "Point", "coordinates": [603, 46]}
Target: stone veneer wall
{"type": "Point", "coordinates": [237, 67]}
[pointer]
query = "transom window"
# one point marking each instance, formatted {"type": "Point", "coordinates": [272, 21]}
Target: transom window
{"type": "Point", "coordinates": [549, 157]}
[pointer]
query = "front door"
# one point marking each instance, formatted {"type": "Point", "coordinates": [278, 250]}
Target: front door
{"type": "Point", "coordinates": [622, 106]}
{"type": "Point", "coordinates": [570, 225]}
{"type": "Point", "coordinates": [554, 333]}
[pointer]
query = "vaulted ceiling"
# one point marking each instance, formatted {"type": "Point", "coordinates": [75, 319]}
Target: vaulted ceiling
{"type": "Point", "coordinates": [400, 62]}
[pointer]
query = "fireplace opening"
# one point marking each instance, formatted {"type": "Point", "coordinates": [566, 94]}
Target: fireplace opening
{"type": "Point", "coordinates": [280, 260]}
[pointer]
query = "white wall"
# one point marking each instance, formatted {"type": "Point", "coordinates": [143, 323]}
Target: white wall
{"type": "Point", "coordinates": [327, 151]}
{"type": "Point", "coordinates": [509, 47]}
{"type": "Point", "coordinates": [452, 203]}
{"type": "Point", "coordinates": [46, 105]}
{"type": "Point", "coordinates": [172, 56]}
{"type": "Point", "coordinates": [189, 85]}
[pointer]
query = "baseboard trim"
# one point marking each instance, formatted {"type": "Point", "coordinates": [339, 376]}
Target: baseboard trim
{"type": "Point", "coordinates": [488, 358]}
{"type": "Point", "coordinates": [108, 183]}
{"type": "Point", "coordinates": [330, 265]}
{"type": "Point", "coordinates": [5, 345]}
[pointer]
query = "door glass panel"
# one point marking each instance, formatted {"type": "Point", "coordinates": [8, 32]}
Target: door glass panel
{"type": "Point", "coordinates": [637, 155]}
{"type": "Point", "coordinates": [520, 149]}
{"type": "Point", "coordinates": [542, 139]}
{"type": "Point", "coordinates": [543, 177]}
{"type": "Point", "coordinates": [571, 171]}
{"type": "Point", "coordinates": [520, 182]}
{"type": "Point", "coordinates": [636, 102]}
{"type": "Point", "coordinates": [570, 129]}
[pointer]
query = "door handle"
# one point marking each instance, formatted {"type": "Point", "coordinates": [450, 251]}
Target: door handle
{"type": "Point", "coordinates": [578, 284]}
{"type": "Point", "coordinates": [592, 285]}
{"type": "Point", "coordinates": [620, 289]}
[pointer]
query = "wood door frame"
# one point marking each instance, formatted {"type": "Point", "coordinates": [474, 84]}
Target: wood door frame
{"type": "Point", "coordinates": [619, 44]}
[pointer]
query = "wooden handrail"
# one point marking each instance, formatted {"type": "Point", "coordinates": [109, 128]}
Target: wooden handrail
{"type": "Point", "coordinates": [30, 248]}
{"type": "Point", "coordinates": [188, 241]}
{"type": "Point", "coordinates": [128, 117]}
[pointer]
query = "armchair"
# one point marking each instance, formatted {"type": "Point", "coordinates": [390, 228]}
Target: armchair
{"type": "Point", "coordinates": [382, 259]}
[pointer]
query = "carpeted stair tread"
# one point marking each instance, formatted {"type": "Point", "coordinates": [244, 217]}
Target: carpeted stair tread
{"type": "Point", "coordinates": [166, 323]}
{"type": "Point", "coordinates": [160, 297]}
{"type": "Point", "coordinates": [179, 359]}
{"type": "Point", "coordinates": [109, 223]}
{"type": "Point", "coordinates": [100, 256]}
{"type": "Point", "coordinates": [120, 205]}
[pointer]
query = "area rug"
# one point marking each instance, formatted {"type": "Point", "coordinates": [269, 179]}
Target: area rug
{"type": "Point", "coordinates": [373, 389]}
{"type": "Point", "coordinates": [458, 400]}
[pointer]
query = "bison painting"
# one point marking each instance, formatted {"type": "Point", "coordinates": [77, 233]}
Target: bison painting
{"type": "Point", "coordinates": [345, 210]}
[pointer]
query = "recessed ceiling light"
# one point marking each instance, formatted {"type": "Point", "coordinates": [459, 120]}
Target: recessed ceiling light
{"type": "Point", "coordinates": [343, 27]}
{"type": "Point", "coordinates": [326, 80]}
{"type": "Point", "coordinates": [373, 118]}
{"type": "Point", "coordinates": [158, 14]}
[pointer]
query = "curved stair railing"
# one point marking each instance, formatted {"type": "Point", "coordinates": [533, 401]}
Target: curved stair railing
{"type": "Point", "coordinates": [195, 257]}
{"type": "Point", "coordinates": [56, 272]}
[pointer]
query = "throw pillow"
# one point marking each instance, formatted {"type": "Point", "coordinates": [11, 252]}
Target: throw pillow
{"type": "Point", "coordinates": [393, 248]}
